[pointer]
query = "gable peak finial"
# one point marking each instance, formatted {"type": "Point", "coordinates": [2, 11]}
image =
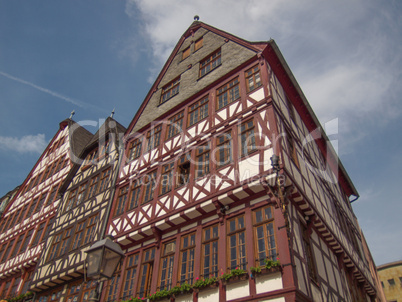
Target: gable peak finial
{"type": "Point", "coordinates": [72, 113]}
{"type": "Point", "coordinates": [111, 115]}
{"type": "Point", "coordinates": [196, 18]}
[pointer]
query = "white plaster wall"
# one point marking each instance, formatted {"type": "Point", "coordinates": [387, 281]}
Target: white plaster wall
{"type": "Point", "coordinates": [208, 295]}
{"type": "Point", "coordinates": [237, 290]}
{"type": "Point", "coordinates": [267, 283]}
{"type": "Point", "coordinates": [184, 298]}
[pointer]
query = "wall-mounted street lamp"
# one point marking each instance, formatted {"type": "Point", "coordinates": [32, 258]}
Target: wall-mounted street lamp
{"type": "Point", "coordinates": [103, 257]}
{"type": "Point", "coordinates": [275, 163]}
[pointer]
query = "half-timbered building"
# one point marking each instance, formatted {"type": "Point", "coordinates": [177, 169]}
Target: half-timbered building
{"type": "Point", "coordinates": [28, 215]}
{"type": "Point", "coordinates": [197, 196]}
{"type": "Point", "coordinates": [81, 219]}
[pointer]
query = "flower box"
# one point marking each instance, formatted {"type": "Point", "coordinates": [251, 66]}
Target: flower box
{"type": "Point", "coordinates": [236, 278]}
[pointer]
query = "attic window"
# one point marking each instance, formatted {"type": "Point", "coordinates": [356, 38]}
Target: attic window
{"type": "Point", "coordinates": [185, 53]}
{"type": "Point", "coordinates": [198, 44]}
{"type": "Point", "coordinates": [170, 90]}
{"type": "Point", "coordinates": [210, 63]}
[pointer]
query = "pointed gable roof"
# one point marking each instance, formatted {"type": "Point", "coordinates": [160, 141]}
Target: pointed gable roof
{"type": "Point", "coordinates": [110, 125]}
{"type": "Point", "coordinates": [234, 52]}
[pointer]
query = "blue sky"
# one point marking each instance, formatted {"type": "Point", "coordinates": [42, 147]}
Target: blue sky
{"type": "Point", "coordinates": [93, 56]}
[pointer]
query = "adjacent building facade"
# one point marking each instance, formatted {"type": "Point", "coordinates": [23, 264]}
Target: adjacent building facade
{"type": "Point", "coordinates": [81, 219]}
{"type": "Point", "coordinates": [194, 194]}
{"type": "Point", "coordinates": [391, 280]}
{"type": "Point", "coordinates": [28, 216]}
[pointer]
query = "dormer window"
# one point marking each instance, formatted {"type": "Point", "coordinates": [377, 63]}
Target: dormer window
{"type": "Point", "coordinates": [170, 90]}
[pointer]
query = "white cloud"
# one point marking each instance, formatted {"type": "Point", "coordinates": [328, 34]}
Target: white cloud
{"type": "Point", "coordinates": [25, 144]}
{"type": "Point", "coordinates": [346, 55]}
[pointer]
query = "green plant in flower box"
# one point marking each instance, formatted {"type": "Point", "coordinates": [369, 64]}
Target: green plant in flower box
{"type": "Point", "coordinates": [160, 295]}
{"type": "Point", "coordinates": [234, 272]}
{"type": "Point", "coordinates": [201, 282]}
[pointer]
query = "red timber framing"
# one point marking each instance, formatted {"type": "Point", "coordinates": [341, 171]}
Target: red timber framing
{"type": "Point", "coordinates": [27, 217]}
{"type": "Point", "coordinates": [186, 191]}
{"type": "Point", "coordinates": [85, 195]}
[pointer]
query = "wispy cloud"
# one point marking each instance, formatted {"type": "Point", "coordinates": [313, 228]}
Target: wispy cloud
{"type": "Point", "coordinates": [25, 144]}
{"type": "Point", "coordinates": [45, 90]}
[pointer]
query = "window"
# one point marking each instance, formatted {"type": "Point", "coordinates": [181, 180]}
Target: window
{"type": "Point", "coordinates": [59, 164]}
{"type": "Point", "coordinates": [228, 93]}
{"type": "Point", "coordinates": [144, 283]}
{"type": "Point", "coordinates": [88, 290]}
{"type": "Point", "coordinates": [210, 252]}
{"type": "Point", "coordinates": [31, 208]}
{"type": "Point", "coordinates": [104, 148]}
{"type": "Point", "coordinates": [175, 125]}
{"type": "Point", "coordinates": [26, 240]}
{"type": "Point", "coordinates": [14, 288]}
{"type": "Point", "coordinates": [170, 90]}
{"type": "Point", "coordinates": [265, 246]}
{"type": "Point", "coordinates": [223, 149]}
{"type": "Point", "coordinates": [73, 293]}
{"type": "Point", "coordinates": [247, 138]}
{"type": "Point", "coordinates": [93, 186]}
{"type": "Point", "coordinates": [253, 79]}
{"type": "Point", "coordinates": [134, 150]}
{"type": "Point", "coordinates": [65, 241]}
{"type": "Point", "coordinates": [52, 195]}
{"type": "Point", "coordinates": [198, 111]}
{"type": "Point", "coordinates": [210, 63]}
{"type": "Point", "coordinates": [186, 53]}
{"type": "Point", "coordinates": [187, 253]}
{"type": "Point", "coordinates": [153, 137]}
{"type": "Point", "coordinates": [27, 280]}
{"type": "Point", "coordinates": [135, 194]}
{"type": "Point", "coordinates": [81, 194]}
{"type": "Point", "coordinates": [104, 180]}
{"type": "Point", "coordinates": [183, 170]}
{"type": "Point", "coordinates": [391, 282]}
{"type": "Point", "coordinates": [113, 286]}
{"type": "Point", "coordinates": [167, 261]}
{"type": "Point", "coordinates": [202, 160]}
{"type": "Point", "coordinates": [17, 246]}
{"type": "Point", "coordinates": [290, 108]}
{"type": "Point", "coordinates": [79, 233]}
{"type": "Point", "coordinates": [121, 200]}
{"type": "Point", "coordinates": [309, 256]}
{"type": "Point", "coordinates": [55, 247]}
{"type": "Point", "coordinates": [38, 234]}
{"type": "Point", "coordinates": [149, 181]}
{"type": "Point", "coordinates": [71, 200]}
{"type": "Point", "coordinates": [236, 243]}
{"type": "Point", "coordinates": [90, 230]}
{"type": "Point", "coordinates": [91, 158]}
{"type": "Point", "coordinates": [166, 178]}
{"type": "Point", "coordinates": [129, 276]}
{"type": "Point", "coordinates": [2, 248]}
{"type": "Point", "coordinates": [6, 287]}
{"type": "Point", "coordinates": [22, 213]}
{"type": "Point", "coordinates": [291, 147]}
{"type": "Point", "coordinates": [198, 44]}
